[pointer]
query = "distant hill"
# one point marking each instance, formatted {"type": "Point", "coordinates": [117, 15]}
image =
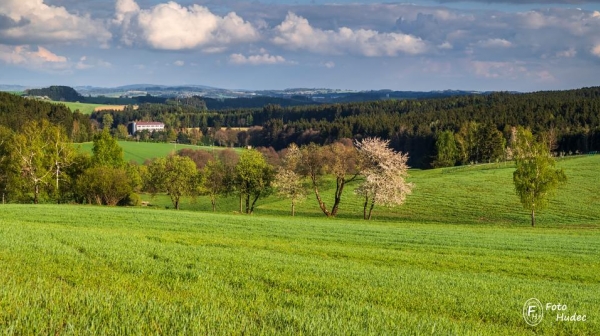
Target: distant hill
{"type": "Point", "coordinates": [256, 102]}
{"type": "Point", "coordinates": [57, 93]}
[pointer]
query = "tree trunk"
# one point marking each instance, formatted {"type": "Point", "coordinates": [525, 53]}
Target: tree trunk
{"type": "Point", "coordinates": [321, 204]}
{"type": "Point", "coordinates": [293, 208]}
{"type": "Point", "coordinates": [371, 209]}
{"type": "Point", "coordinates": [177, 203]}
{"type": "Point", "coordinates": [248, 204]}
{"type": "Point", "coordinates": [365, 207]}
{"type": "Point", "coordinates": [57, 173]}
{"type": "Point", "coordinates": [532, 218]}
{"type": "Point", "coordinates": [36, 192]}
{"type": "Point", "coordinates": [253, 203]}
{"type": "Point", "coordinates": [339, 188]}
{"type": "Point", "coordinates": [213, 202]}
{"type": "Point", "coordinates": [241, 209]}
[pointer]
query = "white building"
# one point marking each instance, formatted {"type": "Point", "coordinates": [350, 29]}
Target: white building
{"type": "Point", "coordinates": [145, 125]}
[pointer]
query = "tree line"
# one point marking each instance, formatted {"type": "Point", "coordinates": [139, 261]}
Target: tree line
{"type": "Point", "coordinates": [423, 128]}
{"type": "Point", "coordinates": [40, 164]}
{"type": "Point", "coordinates": [16, 111]}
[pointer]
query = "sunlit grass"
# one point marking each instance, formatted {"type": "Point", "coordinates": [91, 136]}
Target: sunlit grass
{"type": "Point", "coordinates": [458, 258]}
{"type": "Point", "coordinates": [468, 195]}
{"type": "Point", "coordinates": [85, 269]}
{"type": "Point", "coordinates": [142, 151]}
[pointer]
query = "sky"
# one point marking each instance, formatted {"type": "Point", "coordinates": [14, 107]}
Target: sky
{"type": "Point", "coordinates": [484, 45]}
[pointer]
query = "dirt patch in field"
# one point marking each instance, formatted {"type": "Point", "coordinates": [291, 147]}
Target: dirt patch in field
{"type": "Point", "coordinates": [113, 107]}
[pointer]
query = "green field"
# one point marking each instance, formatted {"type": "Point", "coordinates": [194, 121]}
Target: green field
{"type": "Point", "coordinates": [142, 151]}
{"type": "Point", "coordinates": [82, 107]}
{"type": "Point", "coordinates": [458, 258]}
{"type": "Point", "coordinates": [17, 93]}
{"type": "Point", "coordinates": [480, 194]}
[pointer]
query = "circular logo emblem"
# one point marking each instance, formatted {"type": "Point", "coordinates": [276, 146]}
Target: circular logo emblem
{"type": "Point", "coordinates": [533, 312]}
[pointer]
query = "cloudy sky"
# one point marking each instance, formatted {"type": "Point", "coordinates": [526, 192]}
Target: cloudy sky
{"type": "Point", "coordinates": [522, 45]}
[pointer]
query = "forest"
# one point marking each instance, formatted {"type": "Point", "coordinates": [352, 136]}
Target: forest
{"type": "Point", "coordinates": [468, 128]}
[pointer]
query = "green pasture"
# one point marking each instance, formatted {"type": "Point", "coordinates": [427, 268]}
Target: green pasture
{"type": "Point", "coordinates": [17, 93]}
{"type": "Point", "coordinates": [121, 271]}
{"type": "Point", "coordinates": [142, 151]}
{"type": "Point", "coordinates": [82, 107]}
{"type": "Point", "coordinates": [481, 194]}
{"type": "Point", "coordinates": [459, 258]}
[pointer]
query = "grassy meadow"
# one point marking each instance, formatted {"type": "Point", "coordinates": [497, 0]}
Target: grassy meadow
{"type": "Point", "coordinates": [142, 151]}
{"type": "Point", "coordinates": [84, 108]}
{"type": "Point", "coordinates": [459, 258]}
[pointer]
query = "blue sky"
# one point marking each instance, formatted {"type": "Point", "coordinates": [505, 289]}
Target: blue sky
{"type": "Point", "coordinates": [422, 45]}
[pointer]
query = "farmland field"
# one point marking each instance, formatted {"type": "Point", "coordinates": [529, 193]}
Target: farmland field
{"type": "Point", "coordinates": [458, 258]}
{"type": "Point", "coordinates": [113, 107]}
{"type": "Point", "coordinates": [82, 107]}
{"type": "Point", "coordinates": [141, 151]}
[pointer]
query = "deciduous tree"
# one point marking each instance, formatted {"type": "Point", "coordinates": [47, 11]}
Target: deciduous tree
{"type": "Point", "coordinates": [253, 178]}
{"type": "Point", "coordinates": [385, 173]}
{"type": "Point", "coordinates": [104, 185]}
{"type": "Point", "coordinates": [287, 181]}
{"type": "Point", "coordinates": [106, 151]}
{"type": "Point", "coordinates": [32, 150]}
{"type": "Point", "coordinates": [447, 151]}
{"type": "Point", "coordinates": [175, 175]}
{"type": "Point", "coordinates": [214, 180]}
{"type": "Point", "coordinates": [535, 178]}
{"type": "Point", "coordinates": [337, 159]}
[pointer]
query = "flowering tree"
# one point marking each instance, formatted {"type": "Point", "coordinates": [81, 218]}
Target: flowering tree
{"type": "Point", "coordinates": [385, 173]}
{"type": "Point", "coordinates": [287, 181]}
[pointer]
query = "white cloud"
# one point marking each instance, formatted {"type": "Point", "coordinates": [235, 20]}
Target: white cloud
{"type": "Point", "coordinates": [329, 65]}
{"type": "Point", "coordinates": [498, 69]}
{"type": "Point", "coordinates": [296, 33]}
{"type": "Point", "coordinates": [446, 45]}
{"type": "Point", "coordinates": [91, 62]}
{"type": "Point", "coordinates": [495, 43]}
{"type": "Point", "coordinates": [35, 22]}
{"type": "Point", "coordinates": [569, 53]}
{"type": "Point", "coordinates": [23, 56]}
{"type": "Point", "coordinates": [596, 50]}
{"type": "Point", "coordinates": [179, 63]}
{"type": "Point", "coordinates": [170, 26]}
{"type": "Point", "coordinates": [240, 59]}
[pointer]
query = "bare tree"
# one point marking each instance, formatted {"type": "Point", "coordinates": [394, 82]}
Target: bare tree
{"type": "Point", "coordinates": [385, 173]}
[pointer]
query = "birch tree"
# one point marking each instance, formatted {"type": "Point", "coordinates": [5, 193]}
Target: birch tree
{"type": "Point", "coordinates": [385, 173]}
{"type": "Point", "coordinates": [32, 149]}
{"type": "Point", "coordinates": [61, 153]}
